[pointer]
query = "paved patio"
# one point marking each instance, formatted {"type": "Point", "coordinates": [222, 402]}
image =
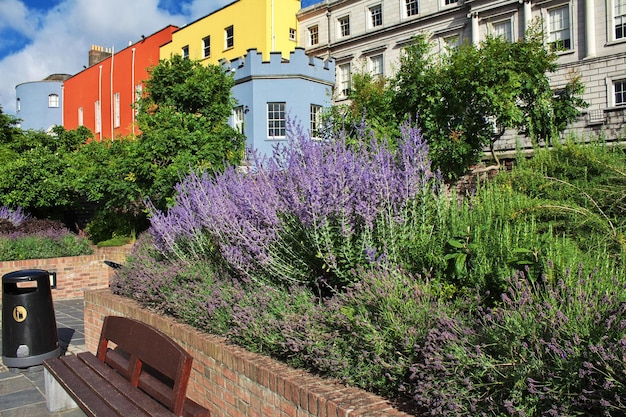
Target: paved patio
{"type": "Point", "coordinates": [22, 393]}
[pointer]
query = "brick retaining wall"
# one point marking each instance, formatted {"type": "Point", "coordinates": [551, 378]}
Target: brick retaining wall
{"type": "Point", "coordinates": [233, 382]}
{"type": "Point", "coordinates": [75, 274]}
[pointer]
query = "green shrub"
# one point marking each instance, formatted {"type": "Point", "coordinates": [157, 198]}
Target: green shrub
{"type": "Point", "coordinates": [40, 247]}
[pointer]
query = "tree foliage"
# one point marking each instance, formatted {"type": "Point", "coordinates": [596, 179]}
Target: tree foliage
{"type": "Point", "coordinates": [36, 173]}
{"type": "Point", "coordinates": [184, 123]}
{"type": "Point", "coordinates": [465, 98]}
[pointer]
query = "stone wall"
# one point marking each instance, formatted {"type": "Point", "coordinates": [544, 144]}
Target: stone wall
{"type": "Point", "coordinates": [233, 382]}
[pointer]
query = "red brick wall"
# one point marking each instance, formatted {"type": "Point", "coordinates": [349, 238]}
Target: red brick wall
{"type": "Point", "coordinates": [233, 382]}
{"type": "Point", "coordinates": [75, 274]}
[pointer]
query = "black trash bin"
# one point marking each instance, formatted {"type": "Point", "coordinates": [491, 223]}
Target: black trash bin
{"type": "Point", "coordinates": [29, 328]}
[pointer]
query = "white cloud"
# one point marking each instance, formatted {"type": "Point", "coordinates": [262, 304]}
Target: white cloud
{"type": "Point", "coordinates": [60, 38]}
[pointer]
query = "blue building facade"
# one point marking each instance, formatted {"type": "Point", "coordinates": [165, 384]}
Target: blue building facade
{"type": "Point", "coordinates": [39, 104]}
{"type": "Point", "coordinates": [271, 94]}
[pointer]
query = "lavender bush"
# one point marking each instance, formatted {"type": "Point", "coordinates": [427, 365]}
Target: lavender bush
{"type": "Point", "coordinates": [309, 214]}
{"type": "Point", "coordinates": [347, 257]}
{"type": "Point", "coordinates": [15, 217]}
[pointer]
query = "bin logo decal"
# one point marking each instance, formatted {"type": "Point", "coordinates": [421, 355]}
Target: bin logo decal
{"type": "Point", "coordinates": [19, 314]}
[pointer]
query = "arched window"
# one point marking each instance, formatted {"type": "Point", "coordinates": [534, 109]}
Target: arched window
{"type": "Point", "coordinates": [53, 100]}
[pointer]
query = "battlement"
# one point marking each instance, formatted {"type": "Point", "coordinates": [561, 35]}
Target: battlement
{"type": "Point", "coordinates": [299, 64]}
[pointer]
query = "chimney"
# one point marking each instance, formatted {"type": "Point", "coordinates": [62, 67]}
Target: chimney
{"type": "Point", "coordinates": [97, 54]}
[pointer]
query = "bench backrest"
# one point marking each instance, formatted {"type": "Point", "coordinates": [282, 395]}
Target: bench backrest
{"type": "Point", "coordinates": [148, 358]}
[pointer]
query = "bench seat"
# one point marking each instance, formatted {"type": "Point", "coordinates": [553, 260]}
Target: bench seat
{"type": "Point", "coordinates": [145, 374]}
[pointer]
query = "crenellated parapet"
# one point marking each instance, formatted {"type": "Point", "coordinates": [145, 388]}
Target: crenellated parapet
{"type": "Point", "coordinates": [298, 65]}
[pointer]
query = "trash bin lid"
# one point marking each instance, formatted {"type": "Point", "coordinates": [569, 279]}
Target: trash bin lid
{"type": "Point", "coordinates": [25, 275]}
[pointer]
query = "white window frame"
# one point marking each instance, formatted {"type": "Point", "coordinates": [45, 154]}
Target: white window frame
{"type": "Point", "coordinates": [622, 93]}
{"type": "Point", "coordinates": [292, 34]}
{"type": "Point", "coordinates": [376, 65]}
{"type": "Point", "coordinates": [138, 96]}
{"type": "Point", "coordinates": [448, 3]}
{"type": "Point", "coordinates": [345, 79]}
{"type": "Point", "coordinates": [343, 26]}
{"type": "Point", "coordinates": [206, 46]}
{"type": "Point", "coordinates": [116, 110]}
{"type": "Point", "coordinates": [411, 8]}
{"type": "Point", "coordinates": [81, 116]}
{"type": "Point", "coordinates": [316, 120]}
{"type": "Point", "coordinates": [314, 35]}
{"type": "Point", "coordinates": [98, 117]}
{"type": "Point", "coordinates": [53, 100]}
{"type": "Point", "coordinates": [616, 16]}
{"type": "Point", "coordinates": [276, 120]}
{"type": "Point", "coordinates": [184, 51]}
{"type": "Point", "coordinates": [375, 16]}
{"type": "Point", "coordinates": [238, 119]}
{"type": "Point", "coordinates": [552, 30]}
{"type": "Point", "coordinates": [509, 23]}
{"type": "Point", "coordinates": [229, 37]}
{"type": "Point", "coordinates": [18, 105]}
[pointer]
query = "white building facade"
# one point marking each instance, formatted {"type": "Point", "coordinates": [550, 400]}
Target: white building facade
{"type": "Point", "coordinates": [369, 35]}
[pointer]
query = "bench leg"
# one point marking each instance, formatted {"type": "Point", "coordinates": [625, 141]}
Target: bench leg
{"type": "Point", "coordinates": [57, 399]}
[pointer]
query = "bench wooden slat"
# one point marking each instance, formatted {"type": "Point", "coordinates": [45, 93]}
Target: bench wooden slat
{"type": "Point", "coordinates": [170, 359]}
{"type": "Point", "coordinates": [96, 401]}
{"type": "Point", "coordinates": [138, 372]}
{"type": "Point", "coordinates": [143, 402]}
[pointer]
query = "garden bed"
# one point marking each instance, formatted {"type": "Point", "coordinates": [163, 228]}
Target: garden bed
{"type": "Point", "coordinates": [233, 382]}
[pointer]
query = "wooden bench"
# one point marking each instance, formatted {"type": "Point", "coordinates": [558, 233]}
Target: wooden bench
{"type": "Point", "coordinates": [138, 371]}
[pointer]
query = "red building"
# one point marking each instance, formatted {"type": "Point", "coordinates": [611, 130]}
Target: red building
{"type": "Point", "coordinates": [101, 97]}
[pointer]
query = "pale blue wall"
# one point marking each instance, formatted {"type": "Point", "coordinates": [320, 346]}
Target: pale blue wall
{"type": "Point", "coordinates": [33, 104]}
{"type": "Point", "coordinates": [299, 82]}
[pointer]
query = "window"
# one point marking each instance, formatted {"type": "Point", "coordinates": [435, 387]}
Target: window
{"type": "Point", "coordinates": [411, 7]}
{"type": "Point", "coordinates": [53, 100]}
{"type": "Point", "coordinates": [18, 105]}
{"type": "Point", "coordinates": [344, 80]}
{"type": "Point", "coordinates": [620, 92]}
{"type": "Point", "coordinates": [229, 40]}
{"type": "Point", "coordinates": [98, 116]}
{"type": "Point", "coordinates": [344, 26]}
{"type": "Point", "coordinates": [314, 35]}
{"type": "Point", "coordinates": [559, 28]}
{"type": "Point", "coordinates": [116, 110]}
{"type": "Point", "coordinates": [80, 116]}
{"type": "Point", "coordinates": [276, 120]}
{"type": "Point", "coordinates": [452, 42]}
{"type": "Point", "coordinates": [619, 17]}
{"type": "Point", "coordinates": [316, 120]}
{"type": "Point", "coordinates": [138, 95]}
{"type": "Point", "coordinates": [185, 52]}
{"type": "Point", "coordinates": [449, 2]}
{"type": "Point", "coordinates": [503, 30]}
{"type": "Point", "coordinates": [292, 34]}
{"type": "Point", "coordinates": [376, 15]}
{"type": "Point", "coordinates": [206, 47]}
{"type": "Point", "coordinates": [238, 119]}
{"type": "Point", "coordinates": [376, 65]}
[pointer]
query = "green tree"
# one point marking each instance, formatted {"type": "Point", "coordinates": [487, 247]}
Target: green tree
{"type": "Point", "coordinates": [183, 118]}
{"type": "Point", "coordinates": [466, 98]}
{"type": "Point", "coordinates": [36, 173]}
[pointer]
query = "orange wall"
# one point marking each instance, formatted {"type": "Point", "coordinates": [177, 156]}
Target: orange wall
{"type": "Point", "coordinates": [86, 87]}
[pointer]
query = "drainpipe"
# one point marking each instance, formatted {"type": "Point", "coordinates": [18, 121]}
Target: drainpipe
{"type": "Point", "coordinates": [112, 94]}
{"type": "Point", "coordinates": [100, 101]}
{"type": "Point", "coordinates": [273, 30]}
{"type": "Point", "coordinates": [133, 93]}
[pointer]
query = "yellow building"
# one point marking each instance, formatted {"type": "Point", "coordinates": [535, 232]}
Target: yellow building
{"type": "Point", "coordinates": [227, 33]}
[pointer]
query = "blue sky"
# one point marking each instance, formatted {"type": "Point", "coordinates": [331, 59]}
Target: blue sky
{"type": "Point", "coordinates": [43, 37]}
